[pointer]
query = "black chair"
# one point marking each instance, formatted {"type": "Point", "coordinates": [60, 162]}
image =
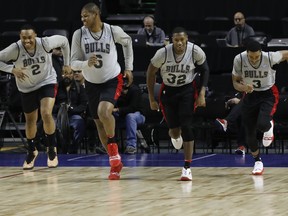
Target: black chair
{"type": "Point", "coordinates": [259, 23]}
{"type": "Point", "coordinates": [217, 23]}
{"type": "Point", "coordinates": [8, 37]}
{"type": "Point", "coordinates": [43, 23]}
{"type": "Point", "coordinates": [50, 32]}
{"type": "Point", "coordinates": [218, 33]}
{"type": "Point", "coordinates": [13, 24]}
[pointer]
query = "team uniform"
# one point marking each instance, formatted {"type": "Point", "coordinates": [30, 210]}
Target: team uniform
{"type": "Point", "coordinates": [42, 78]}
{"type": "Point", "coordinates": [103, 82]}
{"type": "Point", "coordinates": [177, 94]}
{"type": "Point", "coordinates": [260, 105]}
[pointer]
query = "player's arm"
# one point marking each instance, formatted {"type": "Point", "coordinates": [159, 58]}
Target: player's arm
{"type": "Point", "coordinates": [56, 41]}
{"type": "Point", "coordinates": [124, 39]}
{"type": "Point", "coordinates": [237, 80]}
{"type": "Point", "coordinates": [8, 54]}
{"type": "Point", "coordinates": [78, 61]}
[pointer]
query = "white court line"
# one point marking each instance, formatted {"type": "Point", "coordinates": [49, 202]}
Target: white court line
{"type": "Point", "coordinates": [203, 157]}
{"type": "Point", "coordinates": [87, 156]}
{"type": "Point", "coordinates": [82, 157]}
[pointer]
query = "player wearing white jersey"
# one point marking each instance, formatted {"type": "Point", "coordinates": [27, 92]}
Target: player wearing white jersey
{"type": "Point", "coordinates": [253, 74]}
{"type": "Point", "coordinates": [177, 63]}
{"type": "Point", "coordinates": [36, 81]}
{"type": "Point", "coordinates": [94, 52]}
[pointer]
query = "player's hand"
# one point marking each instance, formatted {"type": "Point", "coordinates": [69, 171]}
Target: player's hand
{"type": "Point", "coordinates": [20, 73]}
{"type": "Point", "coordinates": [249, 88]}
{"type": "Point", "coordinates": [92, 60]}
{"type": "Point", "coordinates": [129, 76]}
{"type": "Point", "coordinates": [200, 101]}
{"type": "Point", "coordinates": [154, 105]}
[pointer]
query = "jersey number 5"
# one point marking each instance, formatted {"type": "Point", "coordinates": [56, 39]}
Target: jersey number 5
{"type": "Point", "coordinates": [99, 64]}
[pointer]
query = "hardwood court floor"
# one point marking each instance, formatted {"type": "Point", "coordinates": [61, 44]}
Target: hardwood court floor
{"type": "Point", "coordinates": [151, 188]}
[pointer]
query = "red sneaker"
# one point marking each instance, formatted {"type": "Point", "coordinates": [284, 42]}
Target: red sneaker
{"type": "Point", "coordinates": [114, 157]}
{"type": "Point", "coordinates": [115, 172]}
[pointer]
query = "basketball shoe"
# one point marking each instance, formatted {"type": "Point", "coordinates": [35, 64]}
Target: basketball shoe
{"type": "Point", "coordinates": [52, 160]}
{"type": "Point", "coordinates": [114, 157]}
{"type": "Point", "coordinates": [258, 168]}
{"type": "Point", "coordinates": [177, 143]}
{"type": "Point", "coordinates": [115, 172]}
{"type": "Point", "coordinates": [223, 123]}
{"type": "Point", "coordinates": [240, 150]}
{"type": "Point", "coordinates": [186, 174]}
{"type": "Point", "coordinates": [268, 136]}
{"type": "Point", "coordinates": [30, 159]}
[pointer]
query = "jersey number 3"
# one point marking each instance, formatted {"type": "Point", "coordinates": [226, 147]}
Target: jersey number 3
{"type": "Point", "coordinates": [173, 79]}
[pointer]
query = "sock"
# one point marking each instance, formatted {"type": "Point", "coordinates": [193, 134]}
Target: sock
{"type": "Point", "coordinates": [187, 164]}
{"type": "Point", "coordinates": [111, 139]}
{"type": "Point", "coordinates": [257, 158]}
{"type": "Point", "coordinates": [31, 144]}
{"type": "Point", "coordinates": [51, 140]}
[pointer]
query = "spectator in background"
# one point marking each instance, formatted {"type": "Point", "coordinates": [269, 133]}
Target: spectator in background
{"type": "Point", "coordinates": [241, 30]}
{"type": "Point", "coordinates": [73, 95]}
{"type": "Point", "coordinates": [128, 113]}
{"type": "Point", "coordinates": [233, 122]}
{"type": "Point", "coordinates": [78, 76]}
{"type": "Point", "coordinates": [155, 36]}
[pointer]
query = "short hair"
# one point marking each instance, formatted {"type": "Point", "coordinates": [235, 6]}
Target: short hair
{"type": "Point", "coordinates": [27, 27]}
{"type": "Point", "coordinates": [179, 30]}
{"type": "Point", "coordinates": [91, 8]}
{"type": "Point", "coordinates": [253, 45]}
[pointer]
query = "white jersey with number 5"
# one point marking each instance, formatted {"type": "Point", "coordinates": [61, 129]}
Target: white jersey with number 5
{"type": "Point", "coordinates": [105, 49]}
{"type": "Point", "coordinates": [178, 72]}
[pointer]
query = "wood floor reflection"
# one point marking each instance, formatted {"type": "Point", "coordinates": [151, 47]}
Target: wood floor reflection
{"type": "Point", "coordinates": [142, 191]}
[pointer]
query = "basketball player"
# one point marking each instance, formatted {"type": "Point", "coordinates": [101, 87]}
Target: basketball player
{"type": "Point", "coordinates": [93, 51]}
{"type": "Point", "coordinates": [177, 63]}
{"type": "Point", "coordinates": [36, 80]}
{"type": "Point", "coordinates": [253, 74]}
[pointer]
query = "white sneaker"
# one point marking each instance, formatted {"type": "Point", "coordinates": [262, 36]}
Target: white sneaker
{"type": "Point", "coordinates": [186, 174]}
{"type": "Point", "coordinates": [268, 136]}
{"type": "Point", "coordinates": [52, 160]}
{"type": "Point", "coordinates": [30, 159]}
{"type": "Point", "coordinates": [258, 168]}
{"type": "Point", "coordinates": [177, 143]}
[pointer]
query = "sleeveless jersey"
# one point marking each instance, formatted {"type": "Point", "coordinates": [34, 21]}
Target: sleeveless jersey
{"type": "Point", "coordinates": [38, 67]}
{"type": "Point", "coordinates": [263, 77]}
{"type": "Point", "coordinates": [179, 73]}
{"type": "Point", "coordinates": [105, 49]}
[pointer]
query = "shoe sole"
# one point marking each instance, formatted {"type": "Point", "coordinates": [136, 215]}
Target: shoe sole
{"type": "Point", "coordinates": [185, 179]}
{"type": "Point", "coordinates": [33, 165]}
{"type": "Point", "coordinates": [258, 173]}
{"type": "Point", "coordinates": [116, 177]}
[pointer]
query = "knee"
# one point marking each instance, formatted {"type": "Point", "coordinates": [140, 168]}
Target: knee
{"type": "Point", "coordinates": [187, 134]}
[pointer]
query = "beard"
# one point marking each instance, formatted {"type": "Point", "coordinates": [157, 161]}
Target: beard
{"type": "Point", "coordinates": [67, 81]}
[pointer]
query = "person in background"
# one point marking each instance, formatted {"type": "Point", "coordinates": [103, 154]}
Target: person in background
{"type": "Point", "coordinates": [36, 79]}
{"type": "Point", "coordinates": [178, 94]}
{"type": "Point", "coordinates": [78, 76]}
{"type": "Point", "coordinates": [237, 35]}
{"type": "Point", "coordinates": [155, 36]}
{"type": "Point", "coordinates": [253, 75]}
{"type": "Point", "coordinates": [93, 51]}
{"type": "Point", "coordinates": [233, 122]}
{"type": "Point", "coordinates": [72, 94]}
{"type": "Point", "coordinates": [128, 113]}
